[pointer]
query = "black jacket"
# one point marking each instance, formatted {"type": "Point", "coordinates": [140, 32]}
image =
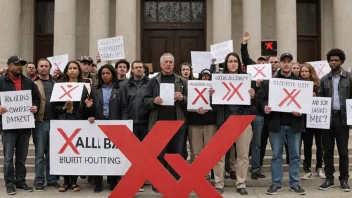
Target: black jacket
{"type": "Point", "coordinates": [6, 84]}
{"type": "Point", "coordinates": [246, 60]}
{"type": "Point", "coordinates": [132, 106]}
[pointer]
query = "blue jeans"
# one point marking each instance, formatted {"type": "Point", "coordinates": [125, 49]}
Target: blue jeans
{"type": "Point", "coordinates": [277, 141]}
{"type": "Point", "coordinates": [15, 139]}
{"type": "Point", "coordinates": [42, 162]}
{"type": "Point", "coordinates": [257, 128]}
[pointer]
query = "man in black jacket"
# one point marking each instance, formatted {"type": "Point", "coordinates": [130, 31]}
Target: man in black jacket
{"type": "Point", "coordinates": [16, 139]}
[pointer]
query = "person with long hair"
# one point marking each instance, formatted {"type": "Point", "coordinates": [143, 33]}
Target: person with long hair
{"type": "Point", "coordinates": [186, 71]}
{"type": "Point", "coordinates": [296, 67]}
{"type": "Point", "coordinates": [69, 110]}
{"type": "Point", "coordinates": [308, 73]}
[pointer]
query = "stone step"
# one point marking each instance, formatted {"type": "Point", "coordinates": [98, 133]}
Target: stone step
{"type": "Point", "coordinates": [267, 159]}
{"type": "Point", "coordinates": [266, 168]}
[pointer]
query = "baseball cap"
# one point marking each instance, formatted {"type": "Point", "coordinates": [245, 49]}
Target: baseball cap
{"type": "Point", "coordinates": [16, 59]}
{"type": "Point", "coordinates": [85, 59]}
{"type": "Point", "coordinates": [262, 58]}
{"type": "Point", "coordinates": [286, 55]}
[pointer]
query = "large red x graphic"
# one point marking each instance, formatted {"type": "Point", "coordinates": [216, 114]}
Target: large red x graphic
{"type": "Point", "coordinates": [320, 69]}
{"type": "Point", "coordinates": [68, 140]}
{"type": "Point", "coordinates": [235, 90]}
{"type": "Point", "coordinates": [57, 65]}
{"type": "Point", "coordinates": [259, 71]}
{"type": "Point", "coordinates": [269, 45]}
{"type": "Point", "coordinates": [290, 96]}
{"type": "Point", "coordinates": [67, 92]}
{"type": "Point", "coordinates": [200, 95]}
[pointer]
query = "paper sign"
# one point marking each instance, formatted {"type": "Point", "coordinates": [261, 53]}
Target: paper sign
{"type": "Point", "coordinates": [321, 113]}
{"type": "Point", "coordinates": [80, 148]}
{"type": "Point", "coordinates": [349, 111]}
{"type": "Point", "coordinates": [58, 62]}
{"type": "Point", "coordinates": [220, 50]}
{"type": "Point", "coordinates": [200, 61]}
{"type": "Point", "coordinates": [260, 71]}
{"type": "Point", "coordinates": [231, 89]}
{"type": "Point", "coordinates": [198, 95]}
{"type": "Point", "coordinates": [153, 75]}
{"type": "Point", "coordinates": [17, 104]}
{"type": "Point", "coordinates": [290, 95]}
{"type": "Point", "coordinates": [321, 68]}
{"type": "Point", "coordinates": [111, 48]}
{"type": "Point", "coordinates": [63, 92]}
{"type": "Point", "coordinates": [88, 87]}
{"type": "Point", "coordinates": [167, 92]}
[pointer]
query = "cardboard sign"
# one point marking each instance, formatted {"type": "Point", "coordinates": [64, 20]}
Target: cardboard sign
{"type": "Point", "coordinates": [198, 95]}
{"type": "Point", "coordinates": [269, 48]}
{"type": "Point", "coordinates": [80, 148]}
{"type": "Point", "coordinates": [321, 113]}
{"type": "Point", "coordinates": [349, 111]}
{"type": "Point", "coordinates": [111, 48]}
{"type": "Point", "coordinates": [167, 92]}
{"type": "Point", "coordinates": [58, 62]}
{"type": "Point", "coordinates": [260, 71]}
{"type": "Point", "coordinates": [17, 104]}
{"type": "Point", "coordinates": [231, 89]}
{"type": "Point", "coordinates": [200, 61]}
{"type": "Point", "coordinates": [321, 68]}
{"type": "Point", "coordinates": [220, 50]}
{"type": "Point", "coordinates": [63, 92]}
{"type": "Point", "coordinates": [290, 95]}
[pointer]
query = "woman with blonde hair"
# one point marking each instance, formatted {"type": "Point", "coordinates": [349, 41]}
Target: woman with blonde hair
{"type": "Point", "coordinates": [296, 67]}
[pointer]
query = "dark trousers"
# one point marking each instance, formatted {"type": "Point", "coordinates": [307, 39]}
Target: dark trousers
{"type": "Point", "coordinates": [140, 131]}
{"type": "Point", "coordinates": [70, 179]}
{"type": "Point", "coordinates": [98, 181]}
{"type": "Point", "coordinates": [341, 134]}
{"type": "Point", "coordinates": [184, 151]}
{"type": "Point", "coordinates": [15, 142]}
{"type": "Point", "coordinates": [307, 138]}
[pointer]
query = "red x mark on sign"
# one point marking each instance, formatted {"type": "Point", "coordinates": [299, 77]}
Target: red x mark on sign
{"type": "Point", "coordinates": [320, 69]}
{"type": "Point", "coordinates": [235, 90]}
{"type": "Point", "coordinates": [200, 95]}
{"type": "Point", "coordinates": [259, 71]}
{"type": "Point", "coordinates": [68, 140]}
{"type": "Point", "coordinates": [146, 166]}
{"type": "Point", "coordinates": [290, 96]}
{"type": "Point", "coordinates": [57, 65]}
{"type": "Point", "coordinates": [269, 45]}
{"type": "Point", "coordinates": [68, 92]}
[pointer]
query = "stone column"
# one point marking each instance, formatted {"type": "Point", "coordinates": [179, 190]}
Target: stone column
{"type": "Point", "coordinates": [126, 26]}
{"type": "Point", "coordinates": [10, 11]}
{"type": "Point", "coordinates": [286, 27]}
{"type": "Point", "coordinates": [65, 28]}
{"type": "Point", "coordinates": [221, 21]}
{"type": "Point", "coordinates": [99, 24]}
{"type": "Point", "coordinates": [252, 23]}
{"type": "Point", "coordinates": [342, 21]}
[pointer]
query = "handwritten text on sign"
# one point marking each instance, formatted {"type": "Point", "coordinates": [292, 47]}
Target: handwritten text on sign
{"type": "Point", "coordinates": [220, 50]}
{"type": "Point", "coordinates": [17, 104]}
{"type": "Point", "coordinates": [200, 61]}
{"type": "Point", "coordinates": [231, 89]}
{"type": "Point", "coordinates": [321, 113]}
{"type": "Point", "coordinates": [198, 95]}
{"type": "Point", "coordinates": [290, 95]}
{"type": "Point", "coordinates": [58, 62]}
{"type": "Point", "coordinates": [63, 92]}
{"type": "Point", "coordinates": [261, 71]}
{"type": "Point", "coordinates": [349, 111]}
{"type": "Point", "coordinates": [321, 68]}
{"type": "Point", "coordinates": [111, 48]}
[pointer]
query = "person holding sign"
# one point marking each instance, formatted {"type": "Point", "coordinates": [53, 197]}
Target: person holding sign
{"type": "Point", "coordinates": [73, 111]}
{"type": "Point", "coordinates": [337, 85]}
{"type": "Point", "coordinates": [16, 139]}
{"type": "Point", "coordinates": [153, 102]}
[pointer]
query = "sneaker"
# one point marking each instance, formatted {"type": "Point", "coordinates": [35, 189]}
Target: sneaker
{"type": "Point", "coordinates": [227, 175]}
{"type": "Point", "coordinates": [98, 189]}
{"type": "Point", "coordinates": [141, 189]}
{"type": "Point", "coordinates": [257, 175]}
{"type": "Point", "coordinates": [54, 184]}
{"type": "Point", "coordinates": [10, 190]}
{"type": "Point", "coordinates": [273, 190]}
{"type": "Point", "coordinates": [39, 187]}
{"type": "Point", "coordinates": [220, 190]}
{"type": "Point", "coordinates": [326, 185]}
{"type": "Point", "coordinates": [307, 176]}
{"type": "Point", "coordinates": [25, 187]}
{"type": "Point", "coordinates": [298, 190]}
{"type": "Point", "coordinates": [207, 177]}
{"type": "Point", "coordinates": [242, 191]}
{"type": "Point", "coordinates": [344, 186]}
{"type": "Point", "coordinates": [321, 173]}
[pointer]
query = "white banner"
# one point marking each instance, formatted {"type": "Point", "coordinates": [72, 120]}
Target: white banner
{"type": "Point", "coordinates": [231, 89]}
{"type": "Point", "coordinates": [63, 92]}
{"type": "Point", "coordinates": [290, 95]}
{"type": "Point", "coordinates": [321, 113]}
{"type": "Point", "coordinates": [321, 67]}
{"type": "Point", "coordinates": [349, 111]}
{"type": "Point", "coordinates": [111, 48]}
{"type": "Point", "coordinates": [198, 95]}
{"type": "Point", "coordinates": [220, 50]}
{"type": "Point", "coordinates": [58, 62]}
{"type": "Point", "coordinates": [200, 61]}
{"type": "Point", "coordinates": [80, 148]}
{"type": "Point", "coordinates": [260, 71]}
{"type": "Point", "coordinates": [17, 104]}
{"type": "Point", "coordinates": [167, 92]}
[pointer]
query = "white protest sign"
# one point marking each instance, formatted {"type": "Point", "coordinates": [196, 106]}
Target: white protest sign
{"type": "Point", "coordinates": [349, 111]}
{"type": "Point", "coordinates": [17, 104]}
{"type": "Point", "coordinates": [80, 148]}
{"type": "Point", "coordinates": [260, 71]}
{"type": "Point", "coordinates": [220, 50]}
{"type": "Point", "coordinates": [198, 95]}
{"type": "Point", "coordinates": [63, 92]}
{"type": "Point", "coordinates": [290, 95]}
{"type": "Point", "coordinates": [58, 62]}
{"type": "Point", "coordinates": [231, 89]}
{"type": "Point", "coordinates": [321, 67]}
{"type": "Point", "coordinates": [321, 113]}
{"type": "Point", "coordinates": [200, 61]}
{"type": "Point", "coordinates": [153, 75]}
{"type": "Point", "coordinates": [167, 92]}
{"type": "Point", "coordinates": [111, 48]}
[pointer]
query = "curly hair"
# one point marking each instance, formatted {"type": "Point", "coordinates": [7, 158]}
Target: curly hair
{"type": "Point", "coordinates": [313, 75]}
{"type": "Point", "coordinates": [336, 52]}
